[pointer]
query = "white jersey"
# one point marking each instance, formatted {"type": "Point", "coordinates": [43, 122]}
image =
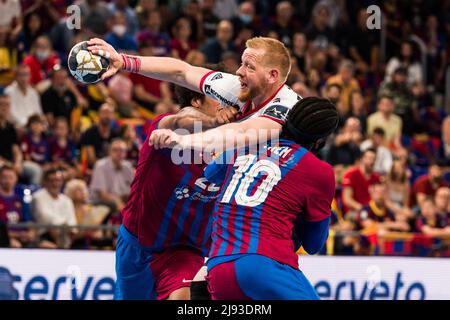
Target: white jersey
{"type": "Point", "coordinates": [225, 88]}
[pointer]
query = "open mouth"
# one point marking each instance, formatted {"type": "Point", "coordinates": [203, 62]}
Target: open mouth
{"type": "Point", "coordinates": [243, 85]}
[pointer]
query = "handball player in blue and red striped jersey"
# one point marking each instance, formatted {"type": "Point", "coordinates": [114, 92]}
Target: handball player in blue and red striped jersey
{"type": "Point", "coordinates": [267, 192]}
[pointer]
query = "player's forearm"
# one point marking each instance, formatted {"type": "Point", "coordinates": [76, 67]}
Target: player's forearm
{"type": "Point", "coordinates": [220, 139]}
{"type": "Point", "coordinates": [234, 135]}
{"type": "Point", "coordinates": [165, 69]}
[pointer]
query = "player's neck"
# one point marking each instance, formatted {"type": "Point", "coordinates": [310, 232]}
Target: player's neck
{"type": "Point", "coordinates": [266, 95]}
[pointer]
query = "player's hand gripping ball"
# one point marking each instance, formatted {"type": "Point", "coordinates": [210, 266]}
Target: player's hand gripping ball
{"type": "Point", "coordinates": [85, 66]}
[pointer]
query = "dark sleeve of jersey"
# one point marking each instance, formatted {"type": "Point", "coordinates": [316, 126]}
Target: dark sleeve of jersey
{"type": "Point", "coordinates": [216, 170]}
{"type": "Point", "coordinates": [312, 235]}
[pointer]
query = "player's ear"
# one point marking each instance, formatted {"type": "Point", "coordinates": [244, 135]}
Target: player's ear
{"type": "Point", "coordinates": [274, 76]}
{"type": "Point", "coordinates": [196, 102]}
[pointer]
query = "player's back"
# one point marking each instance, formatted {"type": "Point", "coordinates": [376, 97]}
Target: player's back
{"type": "Point", "coordinates": [169, 204]}
{"type": "Point", "coordinates": [262, 195]}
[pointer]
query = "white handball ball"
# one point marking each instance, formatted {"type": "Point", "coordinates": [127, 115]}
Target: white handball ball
{"type": "Point", "coordinates": [85, 66]}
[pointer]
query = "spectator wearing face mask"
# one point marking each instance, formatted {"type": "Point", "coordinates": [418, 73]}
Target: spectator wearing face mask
{"type": "Point", "coordinates": [131, 20]}
{"type": "Point", "coordinates": [41, 60]}
{"type": "Point", "coordinates": [246, 18]}
{"type": "Point", "coordinates": [118, 37]}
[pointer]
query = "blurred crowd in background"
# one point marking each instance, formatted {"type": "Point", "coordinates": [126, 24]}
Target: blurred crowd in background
{"type": "Point", "coordinates": [68, 150]}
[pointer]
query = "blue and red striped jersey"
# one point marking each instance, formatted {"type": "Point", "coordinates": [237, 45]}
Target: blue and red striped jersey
{"type": "Point", "coordinates": [169, 203]}
{"type": "Point", "coordinates": [262, 194]}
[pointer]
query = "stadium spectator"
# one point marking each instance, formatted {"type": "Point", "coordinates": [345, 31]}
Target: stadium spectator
{"type": "Point", "coordinates": [426, 186]}
{"type": "Point", "coordinates": [358, 108]}
{"type": "Point", "coordinates": [364, 45]}
{"type": "Point", "coordinates": [25, 100]}
{"type": "Point", "coordinates": [121, 91]}
{"type": "Point", "coordinates": [246, 18]}
{"type": "Point", "coordinates": [436, 43]}
{"type": "Point", "coordinates": [377, 215]}
{"type": "Point", "coordinates": [284, 23]}
{"type": "Point", "coordinates": [191, 11]}
{"type": "Point", "coordinates": [383, 162]}
{"type": "Point", "coordinates": [152, 36]}
{"type": "Point", "coordinates": [41, 60]}
{"type": "Point", "coordinates": [334, 92]}
{"type": "Point", "coordinates": [346, 81]}
{"type": "Point", "coordinates": [85, 213]}
{"type": "Point", "coordinates": [345, 147]}
{"type": "Point", "coordinates": [62, 149]}
{"type": "Point", "coordinates": [196, 58]}
{"type": "Point", "coordinates": [299, 51]}
{"type": "Point", "coordinates": [50, 11]}
{"type": "Point", "coordinates": [132, 23]}
{"type": "Point", "coordinates": [112, 177]}
{"type": "Point", "coordinates": [32, 29]}
{"type": "Point", "coordinates": [404, 105]}
{"type": "Point", "coordinates": [9, 148]}
{"type": "Point", "coordinates": [8, 57]}
{"type": "Point", "coordinates": [385, 119]}
{"type": "Point", "coordinates": [14, 210]}
{"type": "Point", "coordinates": [95, 140]}
{"type": "Point", "coordinates": [442, 202]}
{"type": "Point", "coordinates": [118, 37]}
{"type": "Point", "coordinates": [446, 136]}
{"type": "Point", "coordinates": [209, 19]}
{"type": "Point", "coordinates": [318, 32]}
{"type": "Point", "coordinates": [429, 222]}
{"type": "Point", "coordinates": [230, 61]}
{"type": "Point", "coordinates": [357, 180]}
{"type": "Point", "coordinates": [221, 43]}
{"type": "Point", "coordinates": [35, 148]}
{"type": "Point", "coordinates": [95, 16]}
{"type": "Point", "coordinates": [398, 186]}
{"type": "Point", "coordinates": [180, 43]}
{"type": "Point", "coordinates": [50, 206]}
{"type": "Point", "coordinates": [147, 91]}
{"type": "Point", "coordinates": [58, 100]}
{"type": "Point", "coordinates": [225, 9]}
{"type": "Point", "coordinates": [11, 13]}
{"type": "Point", "coordinates": [143, 8]}
{"type": "Point", "coordinates": [406, 59]}
{"type": "Point", "coordinates": [128, 134]}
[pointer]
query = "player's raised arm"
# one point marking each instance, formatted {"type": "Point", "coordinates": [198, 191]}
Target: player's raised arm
{"type": "Point", "coordinates": [161, 68]}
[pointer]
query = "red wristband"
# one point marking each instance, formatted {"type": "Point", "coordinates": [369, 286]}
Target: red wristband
{"type": "Point", "coordinates": [131, 63]}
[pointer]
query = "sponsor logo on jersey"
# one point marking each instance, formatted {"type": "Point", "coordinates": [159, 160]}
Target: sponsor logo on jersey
{"type": "Point", "coordinates": [277, 111]}
{"type": "Point", "coordinates": [214, 94]}
{"type": "Point", "coordinates": [217, 76]}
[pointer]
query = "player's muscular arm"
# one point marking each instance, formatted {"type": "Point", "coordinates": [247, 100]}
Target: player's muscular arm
{"type": "Point", "coordinates": [161, 68]}
{"type": "Point", "coordinates": [221, 138]}
{"type": "Point", "coordinates": [188, 117]}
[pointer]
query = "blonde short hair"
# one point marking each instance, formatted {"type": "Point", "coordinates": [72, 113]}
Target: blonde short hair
{"type": "Point", "coordinates": [73, 185]}
{"type": "Point", "coordinates": [277, 55]}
